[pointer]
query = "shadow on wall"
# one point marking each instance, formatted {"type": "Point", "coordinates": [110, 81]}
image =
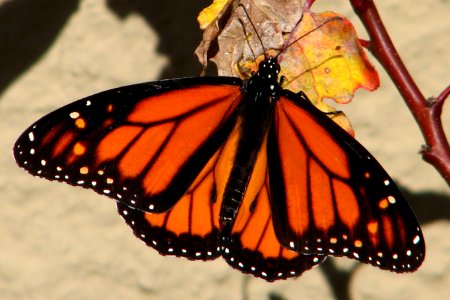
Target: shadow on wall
{"type": "Point", "coordinates": [175, 22]}
{"type": "Point", "coordinates": [429, 207]}
{"type": "Point", "coordinates": [29, 28]}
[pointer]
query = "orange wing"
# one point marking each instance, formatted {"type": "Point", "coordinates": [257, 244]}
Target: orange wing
{"type": "Point", "coordinates": [190, 228]}
{"type": "Point", "coordinates": [143, 145]}
{"type": "Point", "coordinates": [330, 196]}
{"type": "Point", "coordinates": [252, 245]}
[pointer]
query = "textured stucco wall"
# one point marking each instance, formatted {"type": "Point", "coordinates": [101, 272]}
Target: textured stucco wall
{"type": "Point", "coordinates": [60, 242]}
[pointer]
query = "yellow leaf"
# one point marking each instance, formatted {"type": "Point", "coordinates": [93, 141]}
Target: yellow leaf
{"type": "Point", "coordinates": [326, 59]}
{"type": "Point", "coordinates": [320, 55]}
{"type": "Point", "coordinates": [209, 14]}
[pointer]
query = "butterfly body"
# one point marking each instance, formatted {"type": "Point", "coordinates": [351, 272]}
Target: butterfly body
{"type": "Point", "coordinates": [208, 167]}
{"type": "Point", "coordinates": [255, 118]}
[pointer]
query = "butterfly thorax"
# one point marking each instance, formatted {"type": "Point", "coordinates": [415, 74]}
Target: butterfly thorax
{"type": "Point", "coordinates": [256, 114]}
{"type": "Point", "coordinates": [264, 84]}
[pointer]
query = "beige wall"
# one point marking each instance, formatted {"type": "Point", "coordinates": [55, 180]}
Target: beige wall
{"type": "Point", "coordinates": [60, 242]}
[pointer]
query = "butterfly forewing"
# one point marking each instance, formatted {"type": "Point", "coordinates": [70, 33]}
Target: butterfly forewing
{"type": "Point", "coordinates": [142, 145]}
{"type": "Point", "coordinates": [336, 198]}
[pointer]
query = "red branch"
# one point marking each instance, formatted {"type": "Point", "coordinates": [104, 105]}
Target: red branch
{"type": "Point", "coordinates": [427, 112]}
{"type": "Point", "coordinates": [307, 5]}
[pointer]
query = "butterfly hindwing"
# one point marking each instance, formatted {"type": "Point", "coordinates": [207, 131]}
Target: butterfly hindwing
{"type": "Point", "coordinates": [252, 245]}
{"type": "Point", "coordinates": [142, 145]}
{"type": "Point", "coordinates": [332, 197]}
{"type": "Point", "coordinates": [190, 228]}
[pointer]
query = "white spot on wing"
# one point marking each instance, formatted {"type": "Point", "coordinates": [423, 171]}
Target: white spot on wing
{"type": "Point", "coordinates": [74, 114]}
{"type": "Point", "coordinates": [391, 199]}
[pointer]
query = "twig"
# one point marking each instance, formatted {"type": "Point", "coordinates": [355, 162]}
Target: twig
{"type": "Point", "coordinates": [427, 112]}
{"type": "Point", "coordinates": [307, 5]}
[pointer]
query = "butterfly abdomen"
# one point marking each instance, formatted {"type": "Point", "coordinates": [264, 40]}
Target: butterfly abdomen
{"type": "Point", "coordinates": [256, 117]}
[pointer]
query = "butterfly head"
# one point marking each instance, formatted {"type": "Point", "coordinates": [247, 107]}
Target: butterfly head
{"type": "Point", "coordinates": [269, 69]}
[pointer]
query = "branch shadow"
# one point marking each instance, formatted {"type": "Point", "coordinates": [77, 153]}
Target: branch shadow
{"type": "Point", "coordinates": [428, 206]}
{"type": "Point", "coordinates": [175, 22]}
{"type": "Point", "coordinates": [27, 31]}
{"type": "Point", "coordinates": [29, 28]}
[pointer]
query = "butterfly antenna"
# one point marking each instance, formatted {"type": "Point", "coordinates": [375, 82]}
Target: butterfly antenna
{"type": "Point", "coordinates": [245, 33]}
{"type": "Point", "coordinates": [254, 28]}
{"type": "Point", "coordinates": [305, 34]}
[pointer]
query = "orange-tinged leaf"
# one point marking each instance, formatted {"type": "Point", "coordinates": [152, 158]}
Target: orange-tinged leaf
{"type": "Point", "coordinates": [322, 55]}
{"type": "Point", "coordinates": [328, 62]}
{"type": "Point", "coordinates": [231, 38]}
{"type": "Point", "coordinates": [337, 116]}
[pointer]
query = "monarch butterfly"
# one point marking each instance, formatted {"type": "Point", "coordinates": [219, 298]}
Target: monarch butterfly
{"type": "Point", "coordinates": [204, 167]}
{"type": "Point", "coordinates": [215, 166]}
